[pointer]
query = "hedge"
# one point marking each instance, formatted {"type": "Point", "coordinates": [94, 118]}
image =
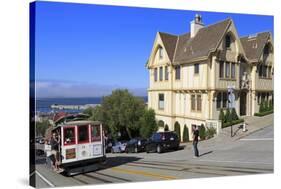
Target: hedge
{"type": "Point", "coordinates": [224, 125]}
{"type": "Point", "coordinates": [263, 113]}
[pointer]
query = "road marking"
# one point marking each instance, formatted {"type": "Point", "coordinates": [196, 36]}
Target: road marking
{"type": "Point", "coordinates": [256, 139]}
{"type": "Point", "coordinates": [247, 162]}
{"type": "Point", "coordinates": [44, 179]}
{"type": "Point", "coordinates": [143, 173]}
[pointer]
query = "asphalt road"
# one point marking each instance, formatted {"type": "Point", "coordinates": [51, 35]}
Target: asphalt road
{"type": "Point", "coordinates": [252, 154]}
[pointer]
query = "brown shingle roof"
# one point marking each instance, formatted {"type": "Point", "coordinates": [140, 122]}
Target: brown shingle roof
{"type": "Point", "coordinates": [253, 45]}
{"type": "Point", "coordinates": [201, 44]}
{"type": "Point", "coordinates": [183, 49]}
{"type": "Point", "coordinates": [169, 42]}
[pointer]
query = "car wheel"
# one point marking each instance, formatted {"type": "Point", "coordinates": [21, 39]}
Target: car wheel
{"type": "Point", "coordinates": [159, 149]}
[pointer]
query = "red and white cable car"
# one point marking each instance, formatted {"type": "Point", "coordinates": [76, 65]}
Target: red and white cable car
{"type": "Point", "coordinates": [81, 142]}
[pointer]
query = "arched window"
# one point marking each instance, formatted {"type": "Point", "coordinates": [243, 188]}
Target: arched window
{"type": "Point", "coordinates": [266, 49]}
{"type": "Point", "coordinates": [161, 123]}
{"type": "Point", "coordinates": [227, 41]}
{"type": "Point", "coordinates": [160, 50]}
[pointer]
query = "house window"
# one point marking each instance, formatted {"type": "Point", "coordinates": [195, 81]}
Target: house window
{"type": "Point", "coordinates": [219, 100]}
{"type": "Point", "coordinates": [193, 102]}
{"type": "Point", "coordinates": [178, 72]}
{"type": "Point", "coordinates": [166, 73]}
{"type": "Point", "coordinates": [264, 71]}
{"type": "Point", "coordinates": [155, 74]}
{"type": "Point", "coordinates": [259, 98]}
{"type": "Point", "coordinates": [227, 70]}
{"type": "Point", "coordinates": [161, 101]}
{"type": "Point", "coordinates": [161, 74]}
{"type": "Point", "coordinates": [199, 102]}
{"type": "Point", "coordinates": [196, 68]}
{"type": "Point", "coordinates": [232, 70]}
{"type": "Point", "coordinates": [160, 52]}
{"type": "Point", "coordinates": [260, 71]}
{"type": "Point", "coordinates": [269, 72]}
{"type": "Point", "coordinates": [221, 69]}
{"type": "Point", "coordinates": [227, 41]}
{"type": "Point", "coordinates": [224, 99]}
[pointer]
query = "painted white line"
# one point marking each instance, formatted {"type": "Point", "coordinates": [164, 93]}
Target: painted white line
{"type": "Point", "coordinates": [246, 162]}
{"type": "Point", "coordinates": [44, 179]}
{"type": "Point", "coordinates": [255, 139]}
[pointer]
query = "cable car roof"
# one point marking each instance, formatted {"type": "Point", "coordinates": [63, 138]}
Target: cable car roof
{"type": "Point", "coordinates": [80, 122]}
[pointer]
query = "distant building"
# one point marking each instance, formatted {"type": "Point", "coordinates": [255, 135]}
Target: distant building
{"type": "Point", "coordinates": [191, 74]}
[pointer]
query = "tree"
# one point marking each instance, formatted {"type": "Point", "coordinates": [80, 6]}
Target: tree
{"type": "Point", "coordinates": [166, 128]}
{"type": "Point", "coordinates": [148, 123]}
{"type": "Point", "coordinates": [185, 134]}
{"type": "Point", "coordinates": [41, 127]}
{"type": "Point", "coordinates": [121, 112]}
{"type": "Point", "coordinates": [202, 132]}
{"type": "Point", "coordinates": [177, 129]}
{"type": "Point", "coordinates": [89, 111]}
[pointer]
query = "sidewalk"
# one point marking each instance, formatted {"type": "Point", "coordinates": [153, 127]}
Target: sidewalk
{"type": "Point", "coordinates": [253, 124]}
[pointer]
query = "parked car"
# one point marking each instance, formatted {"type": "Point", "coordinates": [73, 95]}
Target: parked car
{"type": "Point", "coordinates": [162, 141]}
{"type": "Point", "coordinates": [118, 147]}
{"type": "Point", "coordinates": [42, 141]}
{"type": "Point", "coordinates": [136, 145]}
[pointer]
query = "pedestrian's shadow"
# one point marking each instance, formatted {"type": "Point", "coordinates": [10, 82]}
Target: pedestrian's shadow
{"type": "Point", "coordinates": [206, 153]}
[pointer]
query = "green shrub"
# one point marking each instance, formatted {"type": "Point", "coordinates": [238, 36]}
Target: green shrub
{"type": "Point", "coordinates": [270, 105]}
{"type": "Point", "coordinates": [185, 134]}
{"type": "Point", "coordinates": [221, 116]}
{"type": "Point", "coordinates": [263, 113]}
{"type": "Point", "coordinates": [261, 109]}
{"type": "Point", "coordinates": [210, 132]}
{"type": "Point", "coordinates": [178, 129]}
{"type": "Point", "coordinates": [234, 115]}
{"type": "Point", "coordinates": [232, 123]}
{"type": "Point", "coordinates": [227, 116]}
{"type": "Point", "coordinates": [202, 132]}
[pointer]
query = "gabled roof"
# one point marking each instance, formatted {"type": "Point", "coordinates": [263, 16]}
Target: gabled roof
{"type": "Point", "coordinates": [169, 42]}
{"type": "Point", "coordinates": [183, 48]}
{"type": "Point", "coordinates": [205, 41]}
{"type": "Point", "coordinates": [253, 45]}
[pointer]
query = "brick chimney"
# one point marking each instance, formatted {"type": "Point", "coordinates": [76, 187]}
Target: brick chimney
{"type": "Point", "coordinates": [196, 25]}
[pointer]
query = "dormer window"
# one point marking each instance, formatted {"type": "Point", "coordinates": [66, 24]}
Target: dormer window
{"type": "Point", "coordinates": [227, 41]}
{"type": "Point", "coordinates": [266, 50]}
{"type": "Point", "coordinates": [160, 52]}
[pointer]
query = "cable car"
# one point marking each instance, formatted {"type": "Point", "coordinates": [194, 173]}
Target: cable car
{"type": "Point", "coordinates": [82, 142]}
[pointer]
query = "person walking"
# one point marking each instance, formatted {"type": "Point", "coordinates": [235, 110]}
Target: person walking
{"type": "Point", "coordinates": [195, 141]}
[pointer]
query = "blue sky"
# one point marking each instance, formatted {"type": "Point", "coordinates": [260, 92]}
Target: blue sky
{"type": "Point", "coordinates": [85, 50]}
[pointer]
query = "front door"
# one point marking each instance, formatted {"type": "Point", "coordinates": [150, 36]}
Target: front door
{"type": "Point", "coordinates": [243, 103]}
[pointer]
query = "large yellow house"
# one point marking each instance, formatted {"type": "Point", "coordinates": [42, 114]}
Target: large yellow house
{"type": "Point", "coordinates": [190, 75]}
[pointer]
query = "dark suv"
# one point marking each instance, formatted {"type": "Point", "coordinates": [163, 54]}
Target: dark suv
{"type": "Point", "coordinates": [162, 141]}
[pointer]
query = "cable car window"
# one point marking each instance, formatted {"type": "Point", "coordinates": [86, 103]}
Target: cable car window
{"type": "Point", "coordinates": [69, 136]}
{"type": "Point", "coordinates": [95, 129]}
{"type": "Point", "coordinates": [83, 135]}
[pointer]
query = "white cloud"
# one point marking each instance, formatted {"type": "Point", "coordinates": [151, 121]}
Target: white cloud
{"type": "Point", "coordinates": [75, 89]}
